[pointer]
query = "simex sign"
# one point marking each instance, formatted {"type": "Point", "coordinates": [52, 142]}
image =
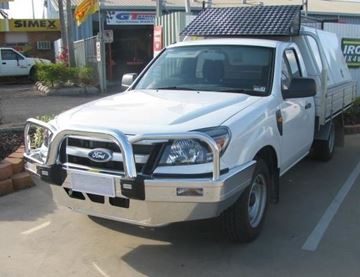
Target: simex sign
{"type": "Point", "coordinates": [34, 25]}
{"type": "Point", "coordinates": [351, 51]}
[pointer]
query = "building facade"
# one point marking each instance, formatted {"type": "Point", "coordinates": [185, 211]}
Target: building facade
{"type": "Point", "coordinates": [32, 37]}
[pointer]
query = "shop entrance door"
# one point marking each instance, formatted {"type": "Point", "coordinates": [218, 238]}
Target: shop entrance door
{"type": "Point", "coordinates": [131, 50]}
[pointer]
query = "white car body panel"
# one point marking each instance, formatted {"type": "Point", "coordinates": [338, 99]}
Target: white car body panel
{"type": "Point", "coordinates": [180, 111]}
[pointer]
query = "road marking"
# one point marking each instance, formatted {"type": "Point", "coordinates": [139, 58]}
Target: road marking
{"type": "Point", "coordinates": [37, 228]}
{"type": "Point", "coordinates": [102, 272]}
{"type": "Point", "coordinates": [315, 237]}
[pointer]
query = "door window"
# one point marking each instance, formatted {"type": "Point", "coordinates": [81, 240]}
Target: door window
{"type": "Point", "coordinates": [290, 68]}
{"type": "Point", "coordinates": [285, 75]}
{"type": "Point", "coordinates": [293, 63]}
{"type": "Point", "coordinates": [10, 55]}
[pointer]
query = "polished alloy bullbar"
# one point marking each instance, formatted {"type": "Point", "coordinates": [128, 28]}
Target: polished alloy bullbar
{"type": "Point", "coordinates": [131, 197]}
{"type": "Point", "coordinates": [115, 136]}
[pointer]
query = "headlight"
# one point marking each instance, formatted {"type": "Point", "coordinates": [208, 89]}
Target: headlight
{"type": "Point", "coordinates": [190, 151]}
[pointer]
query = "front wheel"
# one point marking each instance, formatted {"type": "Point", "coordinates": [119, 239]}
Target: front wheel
{"type": "Point", "coordinates": [243, 221]}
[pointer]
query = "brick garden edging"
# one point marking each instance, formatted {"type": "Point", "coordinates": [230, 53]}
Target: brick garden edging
{"type": "Point", "coordinates": [66, 91]}
{"type": "Point", "coordinates": [12, 174]}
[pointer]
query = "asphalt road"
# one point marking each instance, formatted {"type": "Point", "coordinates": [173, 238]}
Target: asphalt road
{"type": "Point", "coordinates": [18, 102]}
{"type": "Point", "coordinates": [38, 238]}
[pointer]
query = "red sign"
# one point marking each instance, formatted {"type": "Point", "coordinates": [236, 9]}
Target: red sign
{"type": "Point", "coordinates": [158, 40]}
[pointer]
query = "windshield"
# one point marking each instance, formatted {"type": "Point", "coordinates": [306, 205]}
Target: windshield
{"type": "Point", "coordinates": [224, 68]}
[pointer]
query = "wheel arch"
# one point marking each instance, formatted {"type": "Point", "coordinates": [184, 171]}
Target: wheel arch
{"type": "Point", "coordinates": [270, 156]}
{"type": "Point", "coordinates": [32, 73]}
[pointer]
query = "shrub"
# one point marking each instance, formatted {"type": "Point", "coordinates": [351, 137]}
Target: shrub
{"type": "Point", "coordinates": [59, 74]}
{"type": "Point", "coordinates": [73, 75]}
{"type": "Point", "coordinates": [86, 75]}
{"type": "Point", "coordinates": [1, 116]}
{"type": "Point", "coordinates": [352, 115]}
{"type": "Point", "coordinates": [52, 74]}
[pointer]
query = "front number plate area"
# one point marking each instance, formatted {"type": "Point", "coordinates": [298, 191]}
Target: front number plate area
{"type": "Point", "coordinates": [92, 183]}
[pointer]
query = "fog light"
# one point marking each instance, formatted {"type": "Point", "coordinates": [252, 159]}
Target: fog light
{"type": "Point", "coordinates": [189, 191]}
{"type": "Point", "coordinates": [127, 186]}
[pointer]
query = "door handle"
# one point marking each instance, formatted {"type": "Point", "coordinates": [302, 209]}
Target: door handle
{"type": "Point", "coordinates": [3, 62]}
{"type": "Point", "coordinates": [307, 106]}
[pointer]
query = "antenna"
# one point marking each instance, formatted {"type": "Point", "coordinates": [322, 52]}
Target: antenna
{"type": "Point", "coordinates": [305, 4]}
{"type": "Point", "coordinates": [33, 9]}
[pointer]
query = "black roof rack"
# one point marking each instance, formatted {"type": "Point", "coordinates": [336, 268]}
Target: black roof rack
{"type": "Point", "coordinates": [246, 21]}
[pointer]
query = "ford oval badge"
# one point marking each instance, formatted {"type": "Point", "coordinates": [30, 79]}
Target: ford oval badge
{"type": "Point", "coordinates": [100, 155]}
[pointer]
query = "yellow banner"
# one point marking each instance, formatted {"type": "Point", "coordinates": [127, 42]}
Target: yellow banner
{"type": "Point", "coordinates": [34, 25]}
{"type": "Point", "coordinates": [84, 9]}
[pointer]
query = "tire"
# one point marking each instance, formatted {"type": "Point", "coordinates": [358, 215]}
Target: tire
{"type": "Point", "coordinates": [243, 221]}
{"type": "Point", "coordinates": [32, 74]}
{"type": "Point", "coordinates": [323, 150]}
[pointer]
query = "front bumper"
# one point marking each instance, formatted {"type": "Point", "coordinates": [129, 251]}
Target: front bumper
{"type": "Point", "coordinates": [148, 201]}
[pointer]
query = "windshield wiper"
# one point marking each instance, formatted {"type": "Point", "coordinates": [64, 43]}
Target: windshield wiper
{"type": "Point", "coordinates": [245, 91]}
{"type": "Point", "coordinates": [174, 88]}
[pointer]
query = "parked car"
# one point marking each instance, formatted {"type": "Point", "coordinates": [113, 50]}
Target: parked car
{"type": "Point", "coordinates": [206, 130]}
{"type": "Point", "coordinates": [13, 63]}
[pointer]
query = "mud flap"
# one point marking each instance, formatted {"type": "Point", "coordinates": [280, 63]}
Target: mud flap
{"type": "Point", "coordinates": [275, 187]}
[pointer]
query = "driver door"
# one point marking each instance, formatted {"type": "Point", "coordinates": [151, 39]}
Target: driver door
{"type": "Point", "coordinates": [298, 115]}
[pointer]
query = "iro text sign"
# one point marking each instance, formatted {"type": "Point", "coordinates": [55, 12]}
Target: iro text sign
{"type": "Point", "coordinates": [351, 51]}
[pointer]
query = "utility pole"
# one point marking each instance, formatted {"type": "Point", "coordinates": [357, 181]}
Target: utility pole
{"type": "Point", "coordinates": [70, 37]}
{"type": "Point", "coordinates": [33, 9]}
{"type": "Point", "coordinates": [63, 26]}
{"type": "Point", "coordinates": [158, 8]}
{"type": "Point", "coordinates": [306, 5]}
{"type": "Point", "coordinates": [187, 6]}
{"type": "Point", "coordinates": [102, 62]}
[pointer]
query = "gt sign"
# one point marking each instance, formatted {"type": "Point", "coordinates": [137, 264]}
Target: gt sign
{"type": "Point", "coordinates": [34, 25]}
{"type": "Point", "coordinates": [130, 18]}
{"type": "Point", "coordinates": [351, 51]}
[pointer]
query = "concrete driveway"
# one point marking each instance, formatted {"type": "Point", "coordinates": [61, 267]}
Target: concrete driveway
{"type": "Point", "coordinates": [38, 238]}
{"type": "Point", "coordinates": [19, 102]}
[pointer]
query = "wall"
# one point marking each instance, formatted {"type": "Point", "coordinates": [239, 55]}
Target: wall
{"type": "Point", "coordinates": [41, 36]}
{"type": "Point", "coordinates": [26, 42]}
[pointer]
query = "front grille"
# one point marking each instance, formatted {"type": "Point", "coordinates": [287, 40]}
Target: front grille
{"type": "Point", "coordinates": [74, 153]}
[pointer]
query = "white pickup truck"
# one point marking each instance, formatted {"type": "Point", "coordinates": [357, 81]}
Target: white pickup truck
{"type": "Point", "coordinates": [13, 63]}
{"type": "Point", "coordinates": [206, 130]}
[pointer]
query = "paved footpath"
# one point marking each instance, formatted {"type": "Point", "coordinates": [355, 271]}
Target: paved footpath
{"type": "Point", "coordinates": [19, 102]}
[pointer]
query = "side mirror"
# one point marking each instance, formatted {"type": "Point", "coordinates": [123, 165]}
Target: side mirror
{"type": "Point", "coordinates": [300, 88]}
{"type": "Point", "coordinates": [127, 80]}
